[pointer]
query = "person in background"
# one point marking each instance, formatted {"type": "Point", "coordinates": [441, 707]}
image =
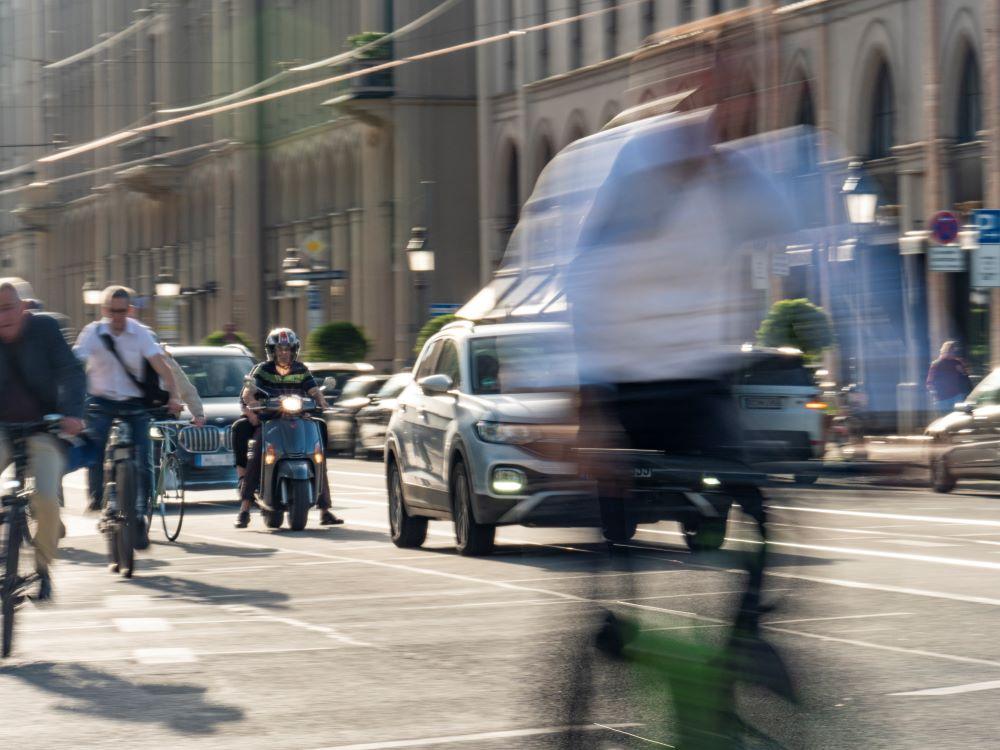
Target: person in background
{"type": "Point", "coordinates": [947, 379]}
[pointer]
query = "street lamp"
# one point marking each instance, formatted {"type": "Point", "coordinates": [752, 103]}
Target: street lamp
{"type": "Point", "coordinates": [419, 257]}
{"type": "Point", "coordinates": [92, 295]}
{"type": "Point", "coordinates": [166, 284]}
{"type": "Point", "coordinates": [860, 198]}
{"type": "Point", "coordinates": [293, 268]}
{"type": "Point", "coordinates": [861, 203]}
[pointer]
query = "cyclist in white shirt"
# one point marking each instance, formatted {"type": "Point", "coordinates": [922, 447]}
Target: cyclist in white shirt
{"type": "Point", "coordinates": [107, 347]}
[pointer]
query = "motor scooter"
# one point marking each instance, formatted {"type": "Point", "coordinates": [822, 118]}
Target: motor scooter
{"type": "Point", "coordinates": [292, 460]}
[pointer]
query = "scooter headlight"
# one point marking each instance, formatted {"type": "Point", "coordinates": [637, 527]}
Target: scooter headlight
{"type": "Point", "coordinates": [291, 404]}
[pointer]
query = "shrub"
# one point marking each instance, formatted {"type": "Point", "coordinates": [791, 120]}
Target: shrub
{"type": "Point", "coordinates": [798, 323]}
{"type": "Point", "coordinates": [431, 327]}
{"type": "Point", "coordinates": [340, 341]}
{"type": "Point", "coordinates": [215, 338]}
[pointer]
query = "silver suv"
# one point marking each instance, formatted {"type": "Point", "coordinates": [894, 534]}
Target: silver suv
{"type": "Point", "coordinates": [483, 436]}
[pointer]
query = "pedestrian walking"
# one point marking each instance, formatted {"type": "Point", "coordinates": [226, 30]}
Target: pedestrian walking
{"type": "Point", "coordinates": [947, 379]}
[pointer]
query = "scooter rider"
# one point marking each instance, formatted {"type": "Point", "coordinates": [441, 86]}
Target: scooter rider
{"type": "Point", "coordinates": [282, 374]}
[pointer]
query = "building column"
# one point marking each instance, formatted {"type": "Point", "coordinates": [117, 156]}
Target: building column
{"type": "Point", "coordinates": [938, 284]}
{"type": "Point", "coordinates": [991, 114]}
{"type": "Point", "coordinates": [355, 219]}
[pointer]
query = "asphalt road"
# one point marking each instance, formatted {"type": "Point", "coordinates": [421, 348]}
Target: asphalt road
{"type": "Point", "coordinates": [886, 610]}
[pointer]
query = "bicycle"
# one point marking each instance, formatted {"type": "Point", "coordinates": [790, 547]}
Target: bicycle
{"type": "Point", "coordinates": [168, 487]}
{"type": "Point", "coordinates": [118, 519]}
{"type": "Point", "coordinates": [14, 530]}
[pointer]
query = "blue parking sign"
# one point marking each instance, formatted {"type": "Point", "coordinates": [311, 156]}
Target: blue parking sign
{"type": "Point", "coordinates": [988, 221]}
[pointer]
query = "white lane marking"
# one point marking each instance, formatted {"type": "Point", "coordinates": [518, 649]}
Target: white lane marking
{"type": "Point", "coordinates": [164, 655]}
{"type": "Point", "coordinates": [840, 617]}
{"type": "Point", "coordinates": [893, 516]}
{"type": "Point", "coordinates": [636, 736]}
{"type": "Point", "coordinates": [478, 737]}
{"type": "Point", "coordinates": [330, 633]}
{"type": "Point", "coordinates": [972, 687]}
{"type": "Point", "coordinates": [357, 474]}
{"type": "Point", "coordinates": [571, 597]}
{"type": "Point", "coordinates": [883, 647]}
{"type": "Point", "coordinates": [142, 624]}
{"type": "Point", "coordinates": [885, 588]}
{"type": "Point", "coordinates": [916, 543]}
{"type": "Point", "coordinates": [955, 561]}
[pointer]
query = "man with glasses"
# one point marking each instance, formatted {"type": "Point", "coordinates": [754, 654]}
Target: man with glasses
{"type": "Point", "coordinates": [109, 346]}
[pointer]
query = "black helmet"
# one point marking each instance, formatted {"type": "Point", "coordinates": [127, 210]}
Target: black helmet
{"type": "Point", "coordinates": [281, 337]}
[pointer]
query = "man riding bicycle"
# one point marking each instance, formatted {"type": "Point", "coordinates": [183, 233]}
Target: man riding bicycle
{"type": "Point", "coordinates": [282, 374]}
{"type": "Point", "coordinates": [38, 375]}
{"type": "Point", "coordinates": [115, 350]}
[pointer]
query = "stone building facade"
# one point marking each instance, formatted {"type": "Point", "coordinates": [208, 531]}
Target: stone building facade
{"type": "Point", "coordinates": [340, 172]}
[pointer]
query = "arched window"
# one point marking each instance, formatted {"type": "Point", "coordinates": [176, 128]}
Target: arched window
{"type": "Point", "coordinates": [510, 51]}
{"type": "Point", "coordinates": [883, 120]}
{"type": "Point", "coordinates": [970, 112]}
{"type": "Point", "coordinates": [512, 192]}
{"type": "Point", "coordinates": [543, 155]}
{"type": "Point", "coordinates": [805, 112]}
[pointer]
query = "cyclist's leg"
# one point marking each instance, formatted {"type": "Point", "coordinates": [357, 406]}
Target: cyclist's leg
{"type": "Point", "coordinates": [46, 463]}
{"type": "Point", "coordinates": [252, 478]}
{"type": "Point", "coordinates": [99, 420]}
{"type": "Point", "coordinates": [139, 425]}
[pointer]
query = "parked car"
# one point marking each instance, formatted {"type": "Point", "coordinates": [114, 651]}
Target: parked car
{"type": "Point", "coordinates": [483, 436]}
{"type": "Point", "coordinates": [966, 443]}
{"type": "Point", "coordinates": [780, 406]}
{"type": "Point", "coordinates": [333, 376]}
{"type": "Point", "coordinates": [341, 424]}
{"type": "Point", "coordinates": [217, 373]}
{"type": "Point", "coordinates": [373, 419]}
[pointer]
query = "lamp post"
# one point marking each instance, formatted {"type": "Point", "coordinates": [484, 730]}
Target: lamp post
{"type": "Point", "coordinates": [92, 295]}
{"type": "Point", "coordinates": [420, 259]}
{"type": "Point", "coordinates": [861, 202]}
{"type": "Point", "coordinates": [167, 289]}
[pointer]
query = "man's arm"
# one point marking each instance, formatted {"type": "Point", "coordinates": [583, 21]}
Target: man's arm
{"type": "Point", "coordinates": [188, 393]}
{"type": "Point", "coordinates": [71, 379]}
{"type": "Point", "coordinates": [317, 394]}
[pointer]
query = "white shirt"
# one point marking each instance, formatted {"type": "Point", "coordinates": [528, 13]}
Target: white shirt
{"type": "Point", "coordinates": [105, 375]}
{"type": "Point", "coordinates": [660, 289]}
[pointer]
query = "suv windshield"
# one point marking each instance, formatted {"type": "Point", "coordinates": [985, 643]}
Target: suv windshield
{"type": "Point", "coordinates": [987, 392]}
{"type": "Point", "coordinates": [523, 362]}
{"type": "Point", "coordinates": [215, 376]}
{"type": "Point", "coordinates": [395, 385]}
{"type": "Point", "coordinates": [776, 369]}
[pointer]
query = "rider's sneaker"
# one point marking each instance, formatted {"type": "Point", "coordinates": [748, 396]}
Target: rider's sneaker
{"type": "Point", "coordinates": [141, 533]}
{"type": "Point", "coordinates": [242, 520]}
{"type": "Point", "coordinates": [113, 568]}
{"type": "Point", "coordinates": [44, 586]}
{"type": "Point", "coordinates": [326, 518]}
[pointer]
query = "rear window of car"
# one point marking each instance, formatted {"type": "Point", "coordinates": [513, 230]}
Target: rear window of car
{"type": "Point", "coordinates": [776, 370]}
{"type": "Point", "coordinates": [215, 376]}
{"type": "Point", "coordinates": [395, 385]}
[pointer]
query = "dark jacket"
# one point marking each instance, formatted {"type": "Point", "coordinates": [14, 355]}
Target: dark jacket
{"type": "Point", "coordinates": [948, 379]}
{"type": "Point", "coordinates": [47, 365]}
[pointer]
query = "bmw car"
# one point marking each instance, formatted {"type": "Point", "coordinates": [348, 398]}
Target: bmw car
{"type": "Point", "coordinates": [217, 373]}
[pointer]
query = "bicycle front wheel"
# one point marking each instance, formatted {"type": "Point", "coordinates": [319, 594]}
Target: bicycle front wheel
{"type": "Point", "coordinates": [125, 477]}
{"type": "Point", "coordinates": [170, 495]}
{"type": "Point", "coordinates": [11, 592]}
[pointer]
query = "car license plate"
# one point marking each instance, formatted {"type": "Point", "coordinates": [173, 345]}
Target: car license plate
{"type": "Point", "coordinates": [762, 402]}
{"type": "Point", "coordinates": [214, 459]}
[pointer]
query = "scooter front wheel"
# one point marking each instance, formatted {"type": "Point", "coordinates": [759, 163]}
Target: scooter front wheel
{"type": "Point", "coordinates": [273, 518]}
{"type": "Point", "coordinates": [300, 501]}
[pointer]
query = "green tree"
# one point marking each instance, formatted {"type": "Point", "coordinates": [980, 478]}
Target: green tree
{"type": "Point", "coordinates": [431, 327]}
{"type": "Point", "coordinates": [215, 338]}
{"type": "Point", "coordinates": [797, 323]}
{"type": "Point", "coordinates": [340, 341]}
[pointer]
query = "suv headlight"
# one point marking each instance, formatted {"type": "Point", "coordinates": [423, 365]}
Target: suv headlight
{"type": "Point", "coordinates": [505, 432]}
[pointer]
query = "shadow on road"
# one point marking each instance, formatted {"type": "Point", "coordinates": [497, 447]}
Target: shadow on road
{"type": "Point", "coordinates": [345, 533]}
{"type": "Point", "coordinates": [182, 708]}
{"type": "Point", "coordinates": [207, 593]}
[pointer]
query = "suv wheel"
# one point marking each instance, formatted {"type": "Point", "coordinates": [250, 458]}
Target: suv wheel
{"type": "Point", "coordinates": [942, 480]}
{"type": "Point", "coordinates": [404, 529]}
{"type": "Point", "coordinates": [471, 538]}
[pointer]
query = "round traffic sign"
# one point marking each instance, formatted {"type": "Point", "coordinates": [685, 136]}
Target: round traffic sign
{"type": "Point", "coordinates": [944, 227]}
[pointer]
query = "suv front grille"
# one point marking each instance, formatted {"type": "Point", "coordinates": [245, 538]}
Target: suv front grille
{"type": "Point", "coordinates": [205, 439]}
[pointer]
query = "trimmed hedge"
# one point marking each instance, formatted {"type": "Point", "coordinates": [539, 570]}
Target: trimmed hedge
{"type": "Point", "coordinates": [798, 323]}
{"type": "Point", "coordinates": [339, 341]}
{"type": "Point", "coordinates": [431, 327]}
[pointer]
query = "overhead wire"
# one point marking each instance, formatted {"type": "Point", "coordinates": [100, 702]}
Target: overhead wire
{"type": "Point", "coordinates": [389, 65]}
